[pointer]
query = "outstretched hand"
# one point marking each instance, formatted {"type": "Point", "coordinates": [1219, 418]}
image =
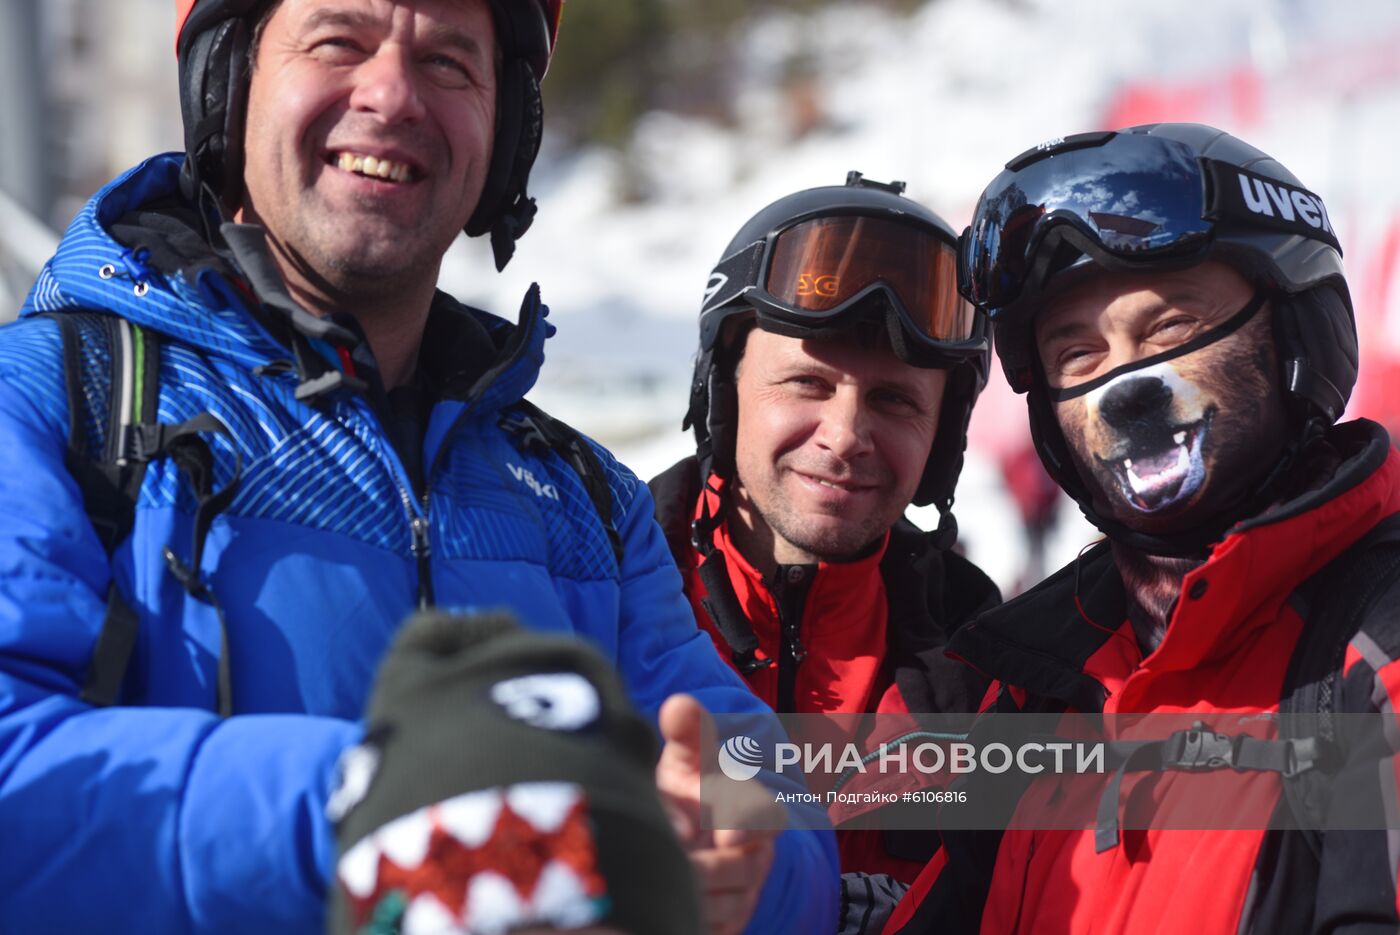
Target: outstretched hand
{"type": "Point", "coordinates": [730, 864]}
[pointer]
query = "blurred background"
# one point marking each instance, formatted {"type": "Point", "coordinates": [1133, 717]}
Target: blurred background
{"type": "Point", "coordinates": [670, 122]}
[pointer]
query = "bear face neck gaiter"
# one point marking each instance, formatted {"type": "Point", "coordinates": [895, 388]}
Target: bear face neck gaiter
{"type": "Point", "coordinates": [1180, 439]}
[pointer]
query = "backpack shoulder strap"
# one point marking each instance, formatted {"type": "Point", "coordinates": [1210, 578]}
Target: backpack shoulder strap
{"type": "Point", "coordinates": [110, 368]}
{"type": "Point", "coordinates": [1342, 593]}
{"type": "Point", "coordinates": [536, 429]}
{"type": "Point", "coordinates": [1309, 747]}
{"type": "Point", "coordinates": [111, 373]}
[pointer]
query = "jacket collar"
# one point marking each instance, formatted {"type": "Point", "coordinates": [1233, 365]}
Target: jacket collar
{"type": "Point", "coordinates": [1041, 641]}
{"type": "Point", "coordinates": [839, 581]}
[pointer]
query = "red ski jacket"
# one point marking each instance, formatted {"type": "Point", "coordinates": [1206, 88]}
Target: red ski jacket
{"type": "Point", "coordinates": [849, 637]}
{"type": "Point", "coordinates": [1228, 648]}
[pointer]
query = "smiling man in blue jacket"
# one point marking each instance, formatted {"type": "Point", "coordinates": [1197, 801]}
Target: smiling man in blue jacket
{"type": "Point", "coordinates": [243, 436]}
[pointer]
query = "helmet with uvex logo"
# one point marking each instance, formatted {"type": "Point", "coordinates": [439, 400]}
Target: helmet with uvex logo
{"type": "Point", "coordinates": [213, 45]}
{"type": "Point", "coordinates": [1160, 196]}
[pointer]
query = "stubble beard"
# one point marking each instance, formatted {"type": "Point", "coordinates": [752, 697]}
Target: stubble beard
{"type": "Point", "coordinates": [383, 264]}
{"type": "Point", "coordinates": [389, 250]}
{"type": "Point", "coordinates": [823, 537]}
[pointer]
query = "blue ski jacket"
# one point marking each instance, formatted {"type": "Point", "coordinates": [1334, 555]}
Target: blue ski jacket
{"type": "Point", "coordinates": [156, 815]}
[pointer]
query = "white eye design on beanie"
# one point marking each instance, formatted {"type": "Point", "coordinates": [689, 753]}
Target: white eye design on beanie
{"type": "Point", "coordinates": [553, 701]}
{"type": "Point", "coordinates": [354, 772]}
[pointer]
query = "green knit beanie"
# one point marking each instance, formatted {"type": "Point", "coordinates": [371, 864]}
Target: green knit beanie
{"type": "Point", "coordinates": [504, 782]}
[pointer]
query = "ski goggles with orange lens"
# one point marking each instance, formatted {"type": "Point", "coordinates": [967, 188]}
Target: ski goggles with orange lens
{"type": "Point", "coordinates": [817, 276]}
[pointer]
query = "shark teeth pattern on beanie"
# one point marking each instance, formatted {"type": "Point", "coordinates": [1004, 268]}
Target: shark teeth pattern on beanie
{"type": "Point", "coordinates": [481, 863]}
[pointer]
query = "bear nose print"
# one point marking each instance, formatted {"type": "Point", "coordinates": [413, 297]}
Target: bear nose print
{"type": "Point", "coordinates": [1139, 399]}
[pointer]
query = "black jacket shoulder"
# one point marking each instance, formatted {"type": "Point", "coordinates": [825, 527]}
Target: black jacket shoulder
{"type": "Point", "coordinates": [932, 594]}
{"type": "Point", "coordinates": [674, 492]}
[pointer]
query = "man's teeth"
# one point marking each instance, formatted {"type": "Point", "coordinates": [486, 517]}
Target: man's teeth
{"type": "Point", "coordinates": [1179, 438]}
{"type": "Point", "coordinates": [375, 168]}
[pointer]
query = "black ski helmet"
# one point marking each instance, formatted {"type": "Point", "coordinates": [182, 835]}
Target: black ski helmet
{"type": "Point", "coordinates": [733, 295]}
{"type": "Point", "coordinates": [213, 44]}
{"type": "Point", "coordinates": [1231, 202]}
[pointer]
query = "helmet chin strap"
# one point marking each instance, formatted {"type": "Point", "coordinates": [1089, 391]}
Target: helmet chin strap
{"type": "Point", "coordinates": [946, 535]}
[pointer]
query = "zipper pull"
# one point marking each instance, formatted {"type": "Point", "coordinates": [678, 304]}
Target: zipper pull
{"type": "Point", "coordinates": [422, 548]}
{"type": "Point", "coordinates": [795, 647]}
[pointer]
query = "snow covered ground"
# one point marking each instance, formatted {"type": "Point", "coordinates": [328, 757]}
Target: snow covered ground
{"type": "Point", "coordinates": [941, 100]}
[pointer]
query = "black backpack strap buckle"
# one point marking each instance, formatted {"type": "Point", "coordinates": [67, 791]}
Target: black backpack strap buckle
{"type": "Point", "coordinates": [526, 433]}
{"type": "Point", "coordinates": [314, 389]}
{"type": "Point", "coordinates": [1199, 749]}
{"type": "Point", "coordinates": [748, 662]}
{"type": "Point", "coordinates": [143, 443]}
{"type": "Point", "coordinates": [189, 578]}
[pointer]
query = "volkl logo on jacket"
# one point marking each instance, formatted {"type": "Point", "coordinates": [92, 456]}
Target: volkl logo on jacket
{"type": "Point", "coordinates": [526, 477]}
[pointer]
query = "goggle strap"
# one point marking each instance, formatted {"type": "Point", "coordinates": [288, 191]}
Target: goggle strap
{"type": "Point", "coordinates": [1229, 327]}
{"type": "Point", "coordinates": [735, 274]}
{"type": "Point", "coordinates": [1236, 194]}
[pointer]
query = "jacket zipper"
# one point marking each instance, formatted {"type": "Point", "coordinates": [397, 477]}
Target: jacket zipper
{"type": "Point", "coordinates": [422, 547]}
{"type": "Point", "coordinates": [418, 524]}
{"type": "Point", "coordinates": [789, 586]}
{"type": "Point", "coordinates": [418, 520]}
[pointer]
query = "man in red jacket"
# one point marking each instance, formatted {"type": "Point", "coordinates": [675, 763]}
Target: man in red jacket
{"type": "Point", "coordinates": [1172, 300]}
{"type": "Point", "coordinates": [837, 372]}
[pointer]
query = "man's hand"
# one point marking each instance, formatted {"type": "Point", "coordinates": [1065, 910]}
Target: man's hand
{"type": "Point", "coordinates": [730, 865]}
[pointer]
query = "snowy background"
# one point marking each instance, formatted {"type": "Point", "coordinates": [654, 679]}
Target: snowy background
{"type": "Point", "coordinates": [939, 97]}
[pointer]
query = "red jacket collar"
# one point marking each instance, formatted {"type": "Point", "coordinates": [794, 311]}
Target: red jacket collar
{"type": "Point", "coordinates": [1040, 641]}
{"type": "Point", "coordinates": [836, 580]}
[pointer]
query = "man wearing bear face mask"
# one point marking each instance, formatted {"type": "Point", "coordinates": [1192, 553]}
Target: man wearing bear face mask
{"type": "Point", "coordinates": [1166, 390]}
{"type": "Point", "coordinates": [1172, 302]}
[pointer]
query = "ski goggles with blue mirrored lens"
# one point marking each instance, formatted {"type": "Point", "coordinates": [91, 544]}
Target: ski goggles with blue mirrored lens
{"type": "Point", "coordinates": [817, 275]}
{"type": "Point", "coordinates": [1116, 196]}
